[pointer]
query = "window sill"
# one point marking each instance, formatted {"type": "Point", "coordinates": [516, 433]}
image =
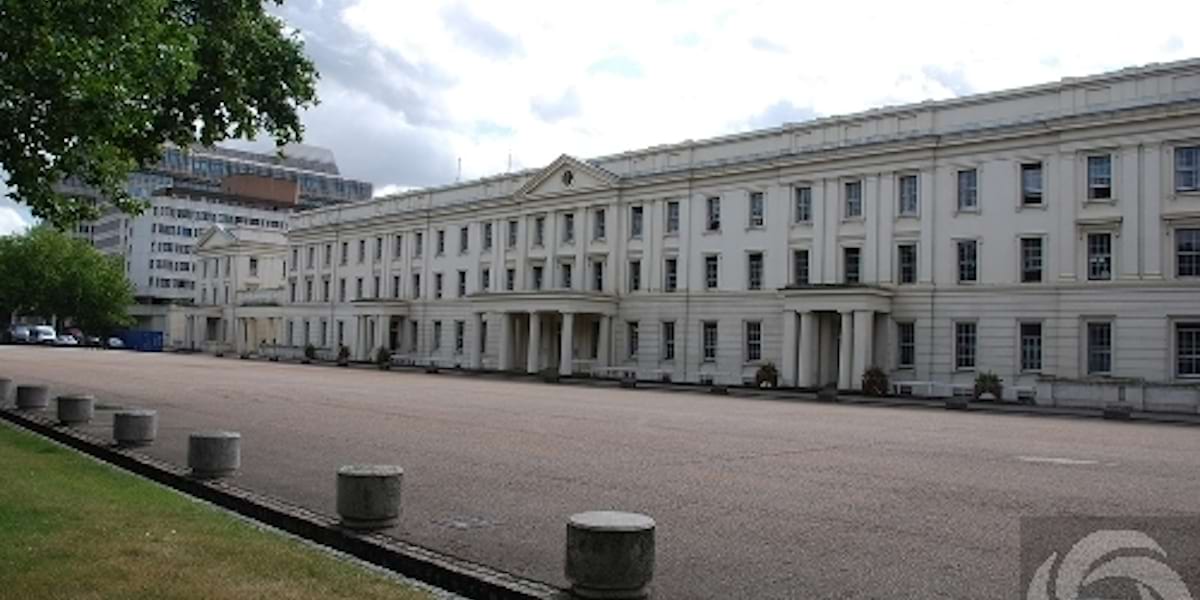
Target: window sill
{"type": "Point", "coordinates": [807, 223]}
{"type": "Point", "coordinates": [712, 232]}
{"type": "Point", "coordinates": [756, 227]}
{"type": "Point", "coordinates": [1099, 201]}
{"type": "Point", "coordinates": [1023, 206]}
{"type": "Point", "coordinates": [853, 220]}
{"type": "Point", "coordinates": [910, 217]}
{"type": "Point", "coordinates": [967, 211]}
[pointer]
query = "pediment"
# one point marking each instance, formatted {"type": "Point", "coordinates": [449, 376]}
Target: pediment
{"type": "Point", "coordinates": [565, 175]}
{"type": "Point", "coordinates": [215, 237]}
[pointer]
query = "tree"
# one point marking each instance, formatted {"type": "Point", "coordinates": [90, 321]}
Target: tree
{"type": "Point", "coordinates": [94, 88]}
{"type": "Point", "coordinates": [47, 273]}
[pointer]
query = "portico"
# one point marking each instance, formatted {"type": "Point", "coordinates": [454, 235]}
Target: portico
{"type": "Point", "coordinates": [830, 334]}
{"type": "Point", "coordinates": [378, 324]}
{"type": "Point", "coordinates": [563, 330]}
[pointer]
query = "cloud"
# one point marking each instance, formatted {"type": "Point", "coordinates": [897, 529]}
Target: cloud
{"type": "Point", "coordinates": [11, 221]}
{"type": "Point", "coordinates": [556, 109]}
{"type": "Point", "coordinates": [779, 113]}
{"type": "Point", "coordinates": [951, 79]}
{"type": "Point", "coordinates": [762, 43]}
{"type": "Point", "coordinates": [621, 66]}
{"type": "Point", "coordinates": [478, 34]}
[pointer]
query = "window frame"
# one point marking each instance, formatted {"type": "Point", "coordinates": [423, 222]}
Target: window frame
{"type": "Point", "coordinates": [707, 326]}
{"type": "Point", "coordinates": [637, 222]}
{"type": "Point", "coordinates": [1089, 353]}
{"type": "Point", "coordinates": [1194, 168]}
{"type": "Point", "coordinates": [973, 190]}
{"type": "Point", "coordinates": [913, 209]}
{"type": "Point", "coordinates": [1095, 192]}
{"type": "Point", "coordinates": [1023, 353]}
{"type": "Point", "coordinates": [668, 340]}
{"type": "Point", "coordinates": [1177, 355]}
{"type": "Point", "coordinates": [670, 273]}
{"type": "Point", "coordinates": [802, 206]}
{"type": "Point", "coordinates": [796, 271]}
{"type": "Point", "coordinates": [634, 277]}
{"type": "Point", "coordinates": [855, 202]}
{"type": "Point", "coordinates": [1025, 194]}
{"type": "Point", "coordinates": [1090, 261]}
{"type": "Point", "coordinates": [858, 274]}
{"type": "Point", "coordinates": [973, 352]}
{"type": "Point", "coordinates": [712, 279]}
{"type": "Point", "coordinates": [712, 214]}
{"type": "Point", "coordinates": [632, 339]}
{"type": "Point", "coordinates": [900, 266]}
{"type": "Point", "coordinates": [1194, 254]}
{"type": "Point", "coordinates": [1022, 267]}
{"type": "Point", "coordinates": [756, 217]}
{"type": "Point", "coordinates": [752, 341]}
{"type": "Point", "coordinates": [751, 283]}
{"type": "Point", "coordinates": [911, 327]}
{"type": "Point", "coordinates": [671, 217]}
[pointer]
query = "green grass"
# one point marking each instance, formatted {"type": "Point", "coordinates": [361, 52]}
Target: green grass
{"type": "Point", "coordinates": [72, 528]}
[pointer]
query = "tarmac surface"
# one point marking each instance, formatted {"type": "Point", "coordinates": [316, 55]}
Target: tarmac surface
{"type": "Point", "coordinates": [753, 498]}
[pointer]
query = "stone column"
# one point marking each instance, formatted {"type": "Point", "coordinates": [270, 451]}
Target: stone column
{"type": "Point", "coordinates": [787, 369]}
{"type": "Point", "coordinates": [505, 354]}
{"type": "Point", "coordinates": [602, 345]}
{"type": "Point", "coordinates": [534, 351]}
{"type": "Point", "coordinates": [807, 375]}
{"type": "Point", "coordinates": [845, 358]}
{"type": "Point", "coordinates": [476, 351]}
{"type": "Point", "coordinates": [566, 356]}
{"type": "Point", "coordinates": [863, 329]}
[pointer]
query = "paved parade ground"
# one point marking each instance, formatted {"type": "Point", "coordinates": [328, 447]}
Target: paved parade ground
{"type": "Point", "coordinates": [753, 498]}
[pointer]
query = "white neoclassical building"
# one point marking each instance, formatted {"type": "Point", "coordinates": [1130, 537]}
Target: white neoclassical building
{"type": "Point", "coordinates": [1044, 232]}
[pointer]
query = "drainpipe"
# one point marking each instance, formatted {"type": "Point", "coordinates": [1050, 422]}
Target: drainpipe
{"type": "Point", "coordinates": [687, 249]}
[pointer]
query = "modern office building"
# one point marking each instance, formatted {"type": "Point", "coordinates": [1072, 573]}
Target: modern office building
{"type": "Point", "coordinates": [1047, 232]}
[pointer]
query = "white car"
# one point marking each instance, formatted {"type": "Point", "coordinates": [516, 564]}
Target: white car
{"type": "Point", "coordinates": [66, 340]}
{"type": "Point", "coordinates": [115, 342]}
{"type": "Point", "coordinates": [42, 334]}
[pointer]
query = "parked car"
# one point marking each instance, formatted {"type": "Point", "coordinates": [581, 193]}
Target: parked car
{"type": "Point", "coordinates": [43, 334]}
{"type": "Point", "coordinates": [17, 334]}
{"type": "Point", "coordinates": [66, 340]}
{"type": "Point", "coordinates": [115, 342]}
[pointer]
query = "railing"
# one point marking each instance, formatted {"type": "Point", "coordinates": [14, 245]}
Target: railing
{"type": "Point", "coordinates": [261, 297]}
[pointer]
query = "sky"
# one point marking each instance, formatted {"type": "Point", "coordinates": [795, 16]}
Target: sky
{"type": "Point", "coordinates": [410, 89]}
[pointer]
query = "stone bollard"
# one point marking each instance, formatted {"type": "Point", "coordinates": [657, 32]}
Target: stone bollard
{"type": "Point", "coordinates": [828, 393]}
{"type": "Point", "coordinates": [5, 389]}
{"type": "Point", "coordinates": [33, 397]}
{"type": "Point", "coordinates": [610, 554]}
{"type": "Point", "coordinates": [214, 454]}
{"type": "Point", "coordinates": [135, 427]}
{"type": "Point", "coordinates": [1117, 411]}
{"type": "Point", "coordinates": [368, 496]}
{"type": "Point", "coordinates": [76, 410]}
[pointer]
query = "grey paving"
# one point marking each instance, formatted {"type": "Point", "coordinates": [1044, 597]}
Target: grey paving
{"type": "Point", "coordinates": [752, 498]}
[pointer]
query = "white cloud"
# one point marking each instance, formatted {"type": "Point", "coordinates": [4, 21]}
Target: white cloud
{"type": "Point", "coordinates": [541, 78]}
{"type": "Point", "coordinates": [11, 221]}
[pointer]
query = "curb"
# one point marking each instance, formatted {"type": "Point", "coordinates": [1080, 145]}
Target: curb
{"type": "Point", "coordinates": [462, 577]}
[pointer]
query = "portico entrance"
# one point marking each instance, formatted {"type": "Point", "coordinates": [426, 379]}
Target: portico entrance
{"type": "Point", "coordinates": [830, 334]}
{"type": "Point", "coordinates": [566, 331]}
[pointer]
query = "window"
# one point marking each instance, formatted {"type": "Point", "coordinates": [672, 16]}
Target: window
{"type": "Point", "coordinates": [395, 286]}
{"type": "Point", "coordinates": [566, 276]}
{"type": "Point", "coordinates": [906, 262]}
{"type": "Point", "coordinates": [753, 341]}
{"type": "Point", "coordinates": [712, 270]}
{"type": "Point", "coordinates": [712, 208]}
{"type": "Point", "coordinates": [437, 336]}
{"type": "Point", "coordinates": [757, 209]}
{"type": "Point", "coordinates": [291, 291]}
{"type": "Point", "coordinates": [635, 275]}
{"type": "Point", "coordinates": [1187, 252]}
{"type": "Point", "coordinates": [671, 274]}
{"type": "Point", "coordinates": [908, 195]}
{"type": "Point", "coordinates": [854, 207]}
{"type": "Point", "coordinates": [568, 234]}
{"type": "Point", "coordinates": [708, 340]}
{"type": "Point", "coordinates": [295, 258]}
{"type": "Point", "coordinates": [441, 242]}
{"type": "Point", "coordinates": [672, 217]}
{"type": "Point", "coordinates": [1031, 346]}
{"type": "Point", "coordinates": [799, 267]}
{"type": "Point", "coordinates": [852, 261]}
{"type": "Point", "coordinates": [598, 224]}
{"type": "Point", "coordinates": [308, 290]}
{"type": "Point", "coordinates": [462, 284]}
{"type": "Point", "coordinates": [418, 244]}
{"type": "Point", "coordinates": [375, 289]}
{"type": "Point", "coordinates": [803, 205]}
{"type": "Point", "coordinates": [311, 257]}
{"type": "Point", "coordinates": [416, 286]}
{"type": "Point", "coordinates": [414, 338]}
{"type": "Point", "coordinates": [632, 326]}
{"type": "Point", "coordinates": [1187, 169]}
{"type": "Point", "coordinates": [464, 240]}
{"type": "Point", "coordinates": [379, 248]}
{"type": "Point", "coordinates": [635, 222]}
{"type": "Point", "coordinates": [539, 231]}
{"type": "Point", "coordinates": [1187, 349]}
{"type": "Point", "coordinates": [968, 190]}
{"type": "Point", "coordinates": [1099, 347]}
{"type": "Point", "coordinates": [291, 332]}
{"type": "Point", "coordinates": [1099, 256]}
{"type": "Point", "coordinates": [437, 285]}
{"type": "Point", "coordinates": [598, 276]}
{"type": "Point", "coordinates": [668, 340]}
{"type": "Point", "coordinates": [1031, 184]}
{"type": "Point", "coordinates": [342, 289]}
{"type": "Point", "coordinates": [510, 279]}
{"type": "Point", "coordinates": [1099, 177]}
{"type": "Point", "coordinates": [397, 247]}
{"type": "Point", "coordinates": [1031, 259]}
{"type": "Point", "coordinates": [253, 267]}
{"type": "Point", "coordinates": [307, 332]}
{"type": "Point", "coordinates": [485, 279]}
{"type": "Point", "coordinates": [487, 237]}
{"type": "Point", "coordinates": [906, 345]}
{"type": "Point", "coordinates": [537, 277]}
{"type": "Point", "coordinates": [512, 233]}
{"type": "Point", "coordinates": [358, 289]}
{"type": "Point", "coordinates": [362, 251]}
{"type": "Point", "coordinates": [968, 261]}
{"type": "Point", "coordinates": [754, 271]}
{"type": "Point", "coordinates": [460, 336]}
{"type": "Point", "coordinates": [341, 333]}
{"type": "Point", "coordinates": [325, 289]}
{"type": "Point", "coordinates": [964, 345]}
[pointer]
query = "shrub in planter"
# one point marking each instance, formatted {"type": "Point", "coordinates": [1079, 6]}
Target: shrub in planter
{"type": "Point", "coordinates": [549, 375]}
{"type": "Point", "coordinates": [767, 376]}
{"type": "Point", "coordinates": [383, 359]}
{"type": "Point", "coordinates": [310, 353]}
{"type": "Point", "coordinates": [875, 382]}
{"type": "Point", "coordinates": [989, 383]}
{"type": "Point", "coordinates": [343, 356]}
{"type": "Point", "coordinates": [244, 356]}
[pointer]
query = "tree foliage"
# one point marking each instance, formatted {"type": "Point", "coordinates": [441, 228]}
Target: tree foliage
{"type": "Point", "coordinates": [93, 88]}
{"type": "Point", "coordinates": [47, 273]}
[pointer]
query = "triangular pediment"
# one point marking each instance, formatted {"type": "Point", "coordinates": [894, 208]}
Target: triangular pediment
{"type": "Point", "coordinates": [566, 175]}
{"type": "Point", "coordinates": [215, 237]}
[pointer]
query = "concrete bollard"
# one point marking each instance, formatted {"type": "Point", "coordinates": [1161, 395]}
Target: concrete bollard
{"type": "Point", "coordinates": [827, 393]}
{"type": "Point", "coordinates": [6, 385]}
{"type": "Point", "coordinates": [214, 454]}
{"type": "Point", "coordinates": [135, 427]}
{"type": "Point", "coordinates": [610, 554]}
{"type": "Point", "coordinates": [1117, 411]}
{"type": "Point", "coordinates": [33, 397]}
{"type": "Point", "coordinates": [368, 496]}
{"type": "Point", "coordinates": [76, 410]}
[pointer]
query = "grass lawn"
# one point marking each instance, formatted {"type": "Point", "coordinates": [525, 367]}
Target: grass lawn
{"type": "Point", "coordinates": [72, 528]}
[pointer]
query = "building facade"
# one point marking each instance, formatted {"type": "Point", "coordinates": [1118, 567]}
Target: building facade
{"type": "Point", "coordinates": [239, 290]}
{"type": "Point", "coordinates": [1044, 232]}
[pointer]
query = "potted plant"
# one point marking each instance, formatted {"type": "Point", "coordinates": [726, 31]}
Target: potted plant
{"type": "Point", "coordinates": [383, 359]}
{"type": "Point", "coordinates": [989, 383]}
{"type": "Point", "coordinates": [310, 353]}
{"type": "Point", "coordinates": [875, 382]}
{"type": "Point", "coordinates": [343, 356]}
{"type": "Point", "coordinates": [767, 376]}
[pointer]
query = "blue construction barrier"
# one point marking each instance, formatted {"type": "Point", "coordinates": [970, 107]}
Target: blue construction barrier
{"type": "Point", "coordinates": [142, 341]}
